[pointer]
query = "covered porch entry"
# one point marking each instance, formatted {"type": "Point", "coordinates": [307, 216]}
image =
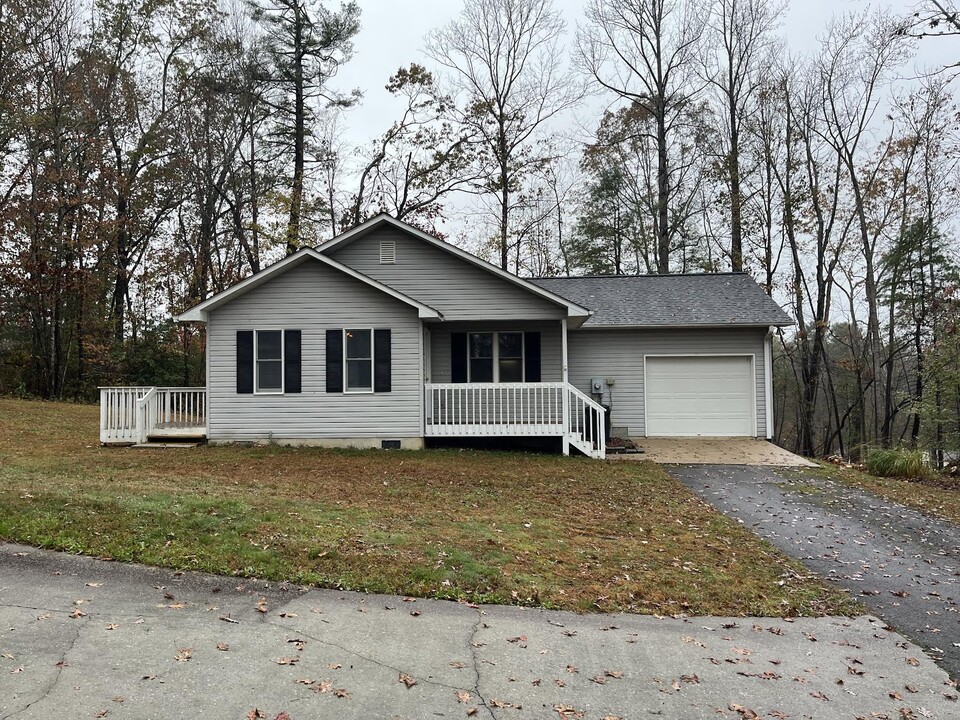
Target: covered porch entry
{"type": "Point", "coordinates": [506, 379]}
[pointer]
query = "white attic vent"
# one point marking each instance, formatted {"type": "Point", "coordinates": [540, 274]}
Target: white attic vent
{"type": "Point", "coordinates": [388, 252]}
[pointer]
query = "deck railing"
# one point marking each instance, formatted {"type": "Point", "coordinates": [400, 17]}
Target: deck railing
{"type": "Point", "coordinates": [133, 414]}
{"type": "Point", "coordinates": [515, 410]}
{"type": "Point", "coordinates": [494, 409]}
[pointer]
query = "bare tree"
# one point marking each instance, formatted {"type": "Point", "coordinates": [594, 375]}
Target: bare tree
{"type": "Point", "coordinates": [738, 37]}
{"type": "Point", "coordinates": [506, 60]}
{"type": "Point", "coordinates": [857, 57]}
{"type": "Point", "coordinates": [644, 51]}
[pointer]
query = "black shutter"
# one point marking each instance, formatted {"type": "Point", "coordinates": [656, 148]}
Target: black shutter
{"type": "Point", "coordinates": [381, 361]}
{"type": "Point", "coordinates": [291, 361]}
{"type": "Point", "coordinates": [458, 357]}
{"type": "Point", "coordinates": [531, 356]}
{"type": "Point", "coordinates": [245, 361]}
{"type": "Point", "coordinates": [334, 361]}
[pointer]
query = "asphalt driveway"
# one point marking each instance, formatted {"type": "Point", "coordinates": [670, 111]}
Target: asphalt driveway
{"type": "Point", "coordinates": [82, 638]}
{"type": "Point", "coordinates": [902, 564]}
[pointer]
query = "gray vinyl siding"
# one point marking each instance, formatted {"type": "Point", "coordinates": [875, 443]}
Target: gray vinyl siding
{"type": "Point", "coordinates": [313, 298]}
{"type": "Point", "coordinates": [618, 354]}
{"type": "Point", "coordinates": [551, 343]}
{"type": "Point", "coordinates": [454, 287]}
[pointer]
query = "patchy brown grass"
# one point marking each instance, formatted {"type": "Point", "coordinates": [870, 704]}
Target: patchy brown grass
{"type": "Point", "coordinates": [937, 495]}
{"type": "Point", "coordinates": [489, 527]}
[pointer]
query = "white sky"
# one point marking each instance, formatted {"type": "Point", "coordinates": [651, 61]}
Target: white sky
{"type": "Point", "coordinates": [392, 33]}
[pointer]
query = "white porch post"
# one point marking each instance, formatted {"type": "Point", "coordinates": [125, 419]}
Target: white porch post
{"type": "Point", "coordinates": [565, 394]}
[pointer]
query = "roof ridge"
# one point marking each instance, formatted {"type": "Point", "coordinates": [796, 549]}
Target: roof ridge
{"type": "Point", "coordinates": [645, 275]}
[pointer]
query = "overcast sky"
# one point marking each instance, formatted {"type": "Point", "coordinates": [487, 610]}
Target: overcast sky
{"type": "Point", "coordinates": [392, 35]}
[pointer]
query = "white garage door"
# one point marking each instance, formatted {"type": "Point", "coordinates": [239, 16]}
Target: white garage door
{"type": "Point", "coordinates": [703, 395]}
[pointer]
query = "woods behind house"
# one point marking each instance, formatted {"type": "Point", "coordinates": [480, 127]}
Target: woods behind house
{"type": "Point", "coordinates": [154, 152]}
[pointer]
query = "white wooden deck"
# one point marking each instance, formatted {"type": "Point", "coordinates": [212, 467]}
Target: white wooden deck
{"type": "Point", "coordinates": [130, 415]}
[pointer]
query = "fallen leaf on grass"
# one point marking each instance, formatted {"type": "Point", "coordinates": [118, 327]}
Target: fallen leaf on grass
{"type": "Point", "coordinates": [407, 680]}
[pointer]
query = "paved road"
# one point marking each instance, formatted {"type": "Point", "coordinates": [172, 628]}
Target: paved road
{"type": "Point", "coordinates": [82, 638]}
{"type": "Point", "coordinates": [902, 564]}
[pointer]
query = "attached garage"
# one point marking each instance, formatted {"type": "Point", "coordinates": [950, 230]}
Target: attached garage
{"type": "Point", "coordinates": [676, 355]}
{"type": "Point", "coordinates": [707, 395]}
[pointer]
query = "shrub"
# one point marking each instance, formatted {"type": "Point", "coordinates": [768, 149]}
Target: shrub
{"type": "Point", "coordinates": [897, 462]}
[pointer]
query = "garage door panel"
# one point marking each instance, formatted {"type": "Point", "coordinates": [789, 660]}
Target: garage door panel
{"type": "Point", "coordinates": [703, 395]}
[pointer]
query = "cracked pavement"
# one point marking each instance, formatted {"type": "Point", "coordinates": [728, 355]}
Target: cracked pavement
{"type": "Point", "coordinates": [901, 563]}
{"type": "Point", "coordinates": [84, 638]}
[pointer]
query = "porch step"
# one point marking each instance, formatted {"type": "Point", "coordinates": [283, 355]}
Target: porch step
{"type": "Point", "coordinates": [151, 445]}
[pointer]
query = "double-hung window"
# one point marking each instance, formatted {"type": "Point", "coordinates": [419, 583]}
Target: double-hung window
{"type": "Point", "coordinates": [495, 357]}
{"type": "Point", "coordinates": [358, 353]}
{"type": "Point", "coordinates": [358, 360]}
{"type": "Point", "coordinates": [269, 361]}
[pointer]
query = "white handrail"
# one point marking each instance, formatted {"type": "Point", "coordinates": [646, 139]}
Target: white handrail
{"type": "Point", "coordinates": [132, 414]}
{"type": "Point", "coordinates": [146, 411]}
{"type": "Point", "coordinates": [516, 409]}
{"type": "Point", "coordinates": [587, 422]}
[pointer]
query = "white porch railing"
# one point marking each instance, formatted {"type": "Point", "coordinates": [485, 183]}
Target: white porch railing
{"type": "Point", "coordinates": [515, 410]}
{"type": "Point", "coordinates": [134, 414]}
{"type": "Point", "coordinates": [587, 430]}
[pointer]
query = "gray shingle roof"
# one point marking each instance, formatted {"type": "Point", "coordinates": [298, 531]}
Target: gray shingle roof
{"type": "Point", "coordinates": [670, 300]}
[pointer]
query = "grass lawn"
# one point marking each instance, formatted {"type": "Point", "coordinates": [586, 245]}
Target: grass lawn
{"type": "Point", "coordinates": [939, 496]}
{"type": "Point", "coordinates": [560, 532]}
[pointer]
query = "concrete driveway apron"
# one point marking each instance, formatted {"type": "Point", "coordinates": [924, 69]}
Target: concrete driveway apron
{"type": "Point", "coordinates": [902, 564]}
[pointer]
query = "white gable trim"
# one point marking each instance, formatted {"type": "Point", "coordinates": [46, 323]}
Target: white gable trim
{"type": "Point", "coordinates": [573, 310]}
{"type": "Point", "coordinates": [198, 313]}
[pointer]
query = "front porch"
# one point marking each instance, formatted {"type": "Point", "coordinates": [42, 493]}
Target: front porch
{"type": "Point", "coordinates": [138, 415]}
{"type": "Point", "coordinates": [527, 409]}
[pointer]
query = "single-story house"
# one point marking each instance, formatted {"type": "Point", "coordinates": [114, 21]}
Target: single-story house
{"type": "Point", "coordinates": [388, 337]}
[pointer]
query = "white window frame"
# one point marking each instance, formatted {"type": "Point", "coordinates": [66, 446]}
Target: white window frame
{"type": "Point", "coordinates": [256, 362]}
{"type": "Point", "coordinates": [346, 360]}
{"type": "Point", "coordinates": [496, 354]}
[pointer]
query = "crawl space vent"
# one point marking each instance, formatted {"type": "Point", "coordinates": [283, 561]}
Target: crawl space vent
{"type": "Point", "coordinates": [388, 252]}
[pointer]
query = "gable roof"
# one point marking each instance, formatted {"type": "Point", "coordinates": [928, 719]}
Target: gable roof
{"type": "Point", "coordinates": [199, 312]}
{"type": "Point", "coordinates": [574, 309]}
{"type": "Point", "coordinates": [670, 301]}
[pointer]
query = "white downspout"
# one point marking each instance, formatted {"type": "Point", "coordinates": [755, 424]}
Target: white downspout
{"type": "Point", "coordinates": [566, 386]}
{"type": "Point", "coordinates": [768, 377]}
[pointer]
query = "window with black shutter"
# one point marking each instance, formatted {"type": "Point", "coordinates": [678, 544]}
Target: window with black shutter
{"type": "Point", "coordinates": [268, 362]}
